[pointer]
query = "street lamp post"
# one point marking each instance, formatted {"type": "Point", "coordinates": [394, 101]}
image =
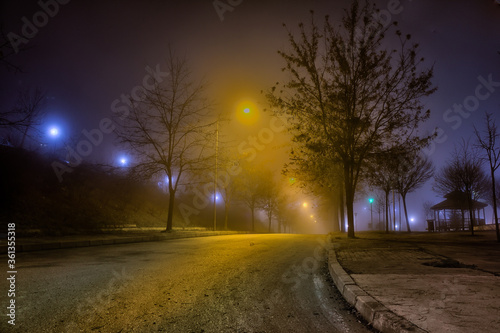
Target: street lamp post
{"type": "Point", "coordinates": [371, 210]}
{"type": "Point", "coordinates": [215, 178]}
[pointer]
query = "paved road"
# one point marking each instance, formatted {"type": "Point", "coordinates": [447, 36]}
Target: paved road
{"type": "Point", "coordinates": [240, 283]}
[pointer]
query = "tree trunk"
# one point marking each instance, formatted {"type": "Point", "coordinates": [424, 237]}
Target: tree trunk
{"type": "Point", "coordinates": [170, 216]}
{"type": "Point", "coordinates": [386, 212]}
{"type": "Point", "coordinates": [349, 199]}
{"type": "Point", "coordinates": [226, 213]}
{"type": "Point", "coordinates": [335, 215]}
{"type": "Point", "coordinates": [463, 219]}
{"type": "Point", "coordinates": [406, 212]}
{"type": "Point", "coordinates": [253, 220]}
{"type": "Point", "coordinates": [270, 217]}
{"type": "Point", "coordinates": [495, 214]}
{"type": "Point", "coordinates": [394, 212]}
{"type": "Point", "coordinates": [342, 209]}
{"type": "Point", "coordinates": [471, 215]}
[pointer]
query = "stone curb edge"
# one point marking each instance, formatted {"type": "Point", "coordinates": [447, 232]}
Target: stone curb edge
{"type": "Point", "coordinates": [374, 312]}
{"type": "Point", "coordinates": [98, 242]}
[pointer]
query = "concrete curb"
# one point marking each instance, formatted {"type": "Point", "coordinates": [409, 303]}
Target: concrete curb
{"type": "Point", "coordinates": [374, 312]}
{"type": "Point", "coordinates": [111, 241]}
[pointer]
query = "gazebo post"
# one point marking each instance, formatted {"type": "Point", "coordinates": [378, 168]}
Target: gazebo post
{"type": "Point", "coordinates": [437, 220]}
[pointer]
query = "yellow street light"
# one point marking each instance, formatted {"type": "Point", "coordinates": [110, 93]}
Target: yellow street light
{"type": "Point", "coordinates": [247, 112]}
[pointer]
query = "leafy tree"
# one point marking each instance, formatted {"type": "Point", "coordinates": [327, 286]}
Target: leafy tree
{"type": "Point", "coordinates": [463, 173]}
{"type": "Point", "coordinates": [348, 93]}
{"type": "Point", "coordinates": [488, 142]}
{"type": "Point", "coordinates": [319, 174]}
{"type": "Point", "coordinates": [166, 129]}
{"type": "Point", "coordinates": [412, 171]}
{"type": "Point", "coordinates": [284, 213]}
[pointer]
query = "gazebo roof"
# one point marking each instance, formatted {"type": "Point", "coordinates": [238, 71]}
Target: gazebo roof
{"type": "Point", "coordinates": [457, 200]}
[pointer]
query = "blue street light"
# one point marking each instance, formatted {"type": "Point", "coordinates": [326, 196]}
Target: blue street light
{"type": "Point", "coordinates": [123, 161]}
{"type": "Point", "coordinates": [54, 132]}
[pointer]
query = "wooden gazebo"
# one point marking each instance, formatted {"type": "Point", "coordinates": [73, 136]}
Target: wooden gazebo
{"type": "Point", "coordinates": [453, 213]}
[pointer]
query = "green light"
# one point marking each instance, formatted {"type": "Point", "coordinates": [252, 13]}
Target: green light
{"type": "Point", "coordinates": [370, 200]}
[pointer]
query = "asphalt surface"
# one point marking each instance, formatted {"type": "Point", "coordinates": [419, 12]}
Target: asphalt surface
{"type": "Point", "coordinates": [238, 283]}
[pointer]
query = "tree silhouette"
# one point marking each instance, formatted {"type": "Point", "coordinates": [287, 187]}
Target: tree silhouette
{"type": "Point", "coordinates": [166, 130]}
{"type": "Point", "coordinates": [488, 143]}
{"type": "Point", "coordinates": [412, 171]}
{"type": "Point", "coordinates": [351, 94]}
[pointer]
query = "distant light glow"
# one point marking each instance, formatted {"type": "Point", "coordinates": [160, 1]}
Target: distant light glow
{"type": "Point", "coordinates": [54, 132]}
{"type": "Point", "coordinates": [312, 216]}
{"type": "Point", "coordinates": [412, 219]}
{"type": "Point", "coordinates": [304, 204]}
{"type": "Point", "coordinates": [123, 161]}
{"type": "Point", "coordinates": [370, 200]}
{"type": "Point", "coordinates": [246, 110]}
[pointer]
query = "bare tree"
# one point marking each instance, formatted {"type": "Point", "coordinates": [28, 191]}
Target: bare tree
{"type": "Point", "coordinates": [350, 93]}
{"type": "Point", "coordinates": [382, 176]}
{"type": "Point", "coordinates": [426, 208]}
{"type": "Point", "coordinates": [31, 110]}
{"type": "Point", "coordinates": [28, 113]}
{"type": "Point", "coordinates": [412, 171]}
{"type": "Point", "coordinates": [165, 130]}
{"type": "Point", "coordinates": [269, 196]}
{"type": "Point", "coordinates": [488, 142]}
{"type": "Point", "coordinates": [463, 173]}
{"type": "Point", "coordinates": [7, 51]}
{"type": "Point", "coordinates": [249, 185]}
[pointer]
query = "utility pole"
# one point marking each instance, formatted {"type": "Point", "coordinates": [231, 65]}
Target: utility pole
{"type": "Point", "coordinates": [215, 178]}
{"type": "Point", "coordinates": [370, 200]}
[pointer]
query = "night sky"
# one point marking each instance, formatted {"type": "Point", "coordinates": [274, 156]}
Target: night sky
{"type": "Point", "coordinates": [91, 52]}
